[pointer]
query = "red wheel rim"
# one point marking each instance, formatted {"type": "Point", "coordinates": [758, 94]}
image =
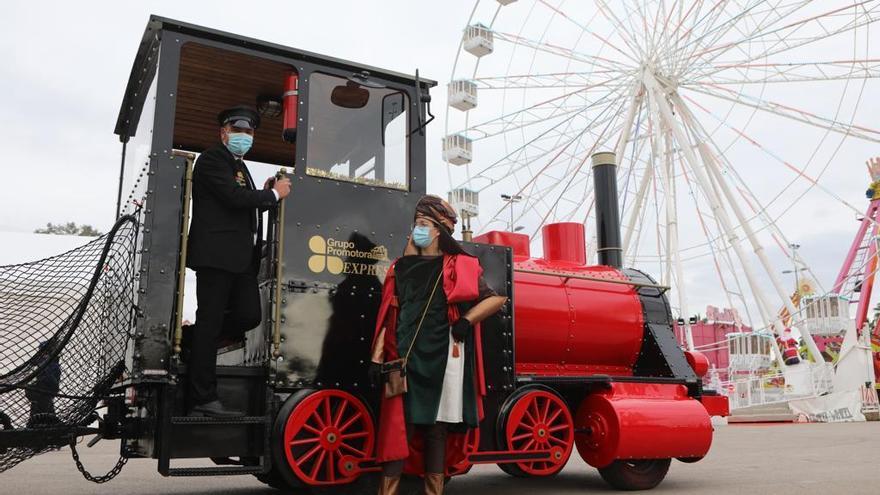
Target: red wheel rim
{"type": "Point", "coordinates": [323, 430]}
{"type": "Point", "coordinates": [540, 420]}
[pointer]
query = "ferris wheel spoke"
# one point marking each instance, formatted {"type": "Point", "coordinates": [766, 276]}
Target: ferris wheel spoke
{"type": "Point", "coordinates": [541, 173]}
{"type": "Point", "coordinates": [762, 14]}
{"type": "Point", "coordinates": [520, 157]}
{"type": "Point", "coordinates": [789, 112]}
{"type": "Point", "coordinates": [800, 173]}
{"type": "Point", "coordinates": [621, 31]}
{"type": "Point", "coordinates": [605, 41]}
{"type": "Point", "coordinates": [607, 130]}
{"type": "Point", "coordinates": [549, 117]}
{"type": "Point", "coordinates": [541, 111]}
{"type": "Point", "coordinates": [791, 72]}
{"type": "Point", "coordinates": [606, 78]}
{"type": "Point", "coordinates": [547, 133]}
{"type": "Point", "coordinates": [761, 210]}
{"type": "Point", "coordinates": [681, 32]}
{"type": "Point", "coordinates": [776, 41]}
{"type": "Point", "coordinates": [566, 53]}
{"type": "Point", "coordinates": [522, 160]}
{"type": "Point", "coordinates": [635, 16]}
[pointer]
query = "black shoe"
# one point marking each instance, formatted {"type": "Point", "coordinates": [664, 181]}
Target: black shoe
{"type": "Point", "coordinates": [214, 409]}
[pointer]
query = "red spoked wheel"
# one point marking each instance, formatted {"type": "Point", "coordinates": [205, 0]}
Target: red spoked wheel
{"type": "Point", "coordinates": [324, 434]}
{"type": "Point", "coordinates": [537, 420]}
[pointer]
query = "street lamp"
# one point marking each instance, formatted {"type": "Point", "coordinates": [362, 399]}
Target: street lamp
{"type": "Point", "coordinates": [511, 199]}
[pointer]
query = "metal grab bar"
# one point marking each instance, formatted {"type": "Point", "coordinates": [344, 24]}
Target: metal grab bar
{"type": "Point", "coordinates": [184, 240]}
{"type": "Point", "coordinates": [279, 256]}
{"type": "Point", "coordinates": [661, 288]}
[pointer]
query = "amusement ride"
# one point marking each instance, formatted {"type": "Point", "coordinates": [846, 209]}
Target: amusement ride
{"type": "Point", "coordinates": [722, 149]}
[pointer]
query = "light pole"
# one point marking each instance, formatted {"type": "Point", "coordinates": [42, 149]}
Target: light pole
{"type": "Point", "coordinates": [511, 199]}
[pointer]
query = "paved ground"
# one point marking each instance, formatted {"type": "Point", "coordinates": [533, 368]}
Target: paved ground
{"type": "Point", "coordinates": [752, 460]}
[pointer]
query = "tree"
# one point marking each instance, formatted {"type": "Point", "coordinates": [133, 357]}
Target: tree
{"type": "Point", "coordinates": [68, 228]}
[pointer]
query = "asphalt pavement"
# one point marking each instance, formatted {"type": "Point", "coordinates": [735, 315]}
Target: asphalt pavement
{"type": "Point", "coordinates": [824, 459]}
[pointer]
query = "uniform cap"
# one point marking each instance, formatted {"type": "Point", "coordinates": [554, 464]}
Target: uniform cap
{"type": "Point", "coordinates": [240, 116]}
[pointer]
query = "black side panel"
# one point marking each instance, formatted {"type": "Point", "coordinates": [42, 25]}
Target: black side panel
{"type": "Point", "coordinates": [497, 331]}
{"type": "Point", "coordinates": [497, 337]}
{"type": "Point", "coordinates": [660, 354]}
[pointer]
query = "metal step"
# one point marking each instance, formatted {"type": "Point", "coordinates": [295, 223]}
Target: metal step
{"type": "Point", "coordinates": [215, 471]}
{"type": "Point", "coordinates": [198, 420]}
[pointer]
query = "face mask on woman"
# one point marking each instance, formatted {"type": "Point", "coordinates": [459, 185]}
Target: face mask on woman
{"type": "Point", "coordinates": [421, 236]}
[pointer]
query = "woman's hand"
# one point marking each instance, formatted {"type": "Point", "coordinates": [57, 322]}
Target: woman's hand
{"type": "Point", "coordinates": [461, 329]}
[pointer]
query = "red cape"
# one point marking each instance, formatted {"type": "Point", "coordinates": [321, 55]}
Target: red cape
{"type": "Point", "coordinates": [461, 274]}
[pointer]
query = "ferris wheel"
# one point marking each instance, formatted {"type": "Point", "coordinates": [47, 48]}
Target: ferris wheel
{"type": "Point", "coordinates": [730, 120]}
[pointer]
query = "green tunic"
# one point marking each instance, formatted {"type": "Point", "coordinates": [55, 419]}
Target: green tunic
{"type": "Point", "coordinates": [415, 277]}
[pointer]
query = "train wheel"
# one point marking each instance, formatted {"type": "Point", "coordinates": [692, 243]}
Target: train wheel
{"type": "Point", "coordinates": [635, 474]}
{"type": "Point", "coordinates": [319, 435]}
{"type": "Point", "coordinates": [537, 419]}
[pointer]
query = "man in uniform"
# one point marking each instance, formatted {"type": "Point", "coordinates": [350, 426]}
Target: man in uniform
{"type": "Point", "coordinates": [225, 239]}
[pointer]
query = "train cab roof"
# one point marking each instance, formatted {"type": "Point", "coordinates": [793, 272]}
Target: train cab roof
{"type": "Point", "coordinates": [215, 70]}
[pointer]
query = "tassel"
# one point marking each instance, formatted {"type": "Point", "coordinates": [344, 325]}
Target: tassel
{"type": "Point", "coordinates": [455, 351]}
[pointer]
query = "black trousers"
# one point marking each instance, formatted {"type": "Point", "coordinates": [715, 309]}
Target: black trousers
{"type": "Point", "coordinates": [228, 306]}
{"type": "Point", "coordinates": [435, 450]}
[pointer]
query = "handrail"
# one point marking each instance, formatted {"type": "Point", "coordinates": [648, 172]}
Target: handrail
{"type": "Point", "coordinates": [184, 240]}
{"type": "Point", "coordinates": [279, 256]}
{"type": "Point", "coordinates": [662, 288]}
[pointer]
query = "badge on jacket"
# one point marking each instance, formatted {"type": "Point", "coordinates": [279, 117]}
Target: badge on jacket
{"type": "Point", "coordinates": [239, 177]}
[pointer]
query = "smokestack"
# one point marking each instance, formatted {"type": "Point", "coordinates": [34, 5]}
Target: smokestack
{"type": "Point", "coordinates": [607, 211]}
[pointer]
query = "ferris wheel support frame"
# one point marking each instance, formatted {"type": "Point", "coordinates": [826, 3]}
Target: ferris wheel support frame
{"type": "Point", "coordinates": [713, 168]}
{"type": "Point", "coordinates": [664, 114]}
{"type": "Point", "coordinates": [673, 257]}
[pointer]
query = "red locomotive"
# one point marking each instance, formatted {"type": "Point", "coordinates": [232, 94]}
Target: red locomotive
{"type": "Point", "coordinates": [581, 357]}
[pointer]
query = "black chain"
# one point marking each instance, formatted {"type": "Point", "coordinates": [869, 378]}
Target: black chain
{"type": "Point", "coordinates": [87, 475]}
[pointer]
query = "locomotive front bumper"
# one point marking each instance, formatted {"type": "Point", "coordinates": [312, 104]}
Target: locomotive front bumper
{"type": "Point", "coordinates": [641, 421]}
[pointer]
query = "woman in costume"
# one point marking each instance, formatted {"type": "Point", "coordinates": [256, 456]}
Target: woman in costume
{"type": "Point", "coordinates": [433, 301]}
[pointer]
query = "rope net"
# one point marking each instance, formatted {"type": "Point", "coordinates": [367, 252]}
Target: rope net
{"type": "Point", "coordinates": [64, 328]}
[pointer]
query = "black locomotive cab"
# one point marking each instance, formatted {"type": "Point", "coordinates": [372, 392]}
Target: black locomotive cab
{"type": "Point", "coordinates": [351, 139]}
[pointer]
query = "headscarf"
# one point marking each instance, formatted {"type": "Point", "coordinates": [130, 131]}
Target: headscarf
{"type": "Point", "coordinates": [443, 215]}
{"type": "Point", "coordinates": [439, 211]}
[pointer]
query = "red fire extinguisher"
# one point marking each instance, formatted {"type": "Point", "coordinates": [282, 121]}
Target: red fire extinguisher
{"type": "Point", "coordinates": [290, 102]}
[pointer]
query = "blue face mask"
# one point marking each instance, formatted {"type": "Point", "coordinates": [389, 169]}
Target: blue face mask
{"type": "Point", "coordinates": [239, 143]}
{"type": "Point", "coordinates": [421, 236]}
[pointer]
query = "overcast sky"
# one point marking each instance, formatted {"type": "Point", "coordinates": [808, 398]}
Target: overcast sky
{"type": "Point", "coordinates": [65, 66]}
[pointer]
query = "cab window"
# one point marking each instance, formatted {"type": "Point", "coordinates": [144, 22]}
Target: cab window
{"type": "Point", "coordinates": [357, 132]}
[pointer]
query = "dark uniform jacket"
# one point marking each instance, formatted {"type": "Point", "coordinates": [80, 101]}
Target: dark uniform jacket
{"type": "Point", "coordinates": [225, 216]}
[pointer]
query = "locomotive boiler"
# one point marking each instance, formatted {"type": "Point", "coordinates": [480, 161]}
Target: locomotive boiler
{"type": "Point", "coordinates": [582, 357]}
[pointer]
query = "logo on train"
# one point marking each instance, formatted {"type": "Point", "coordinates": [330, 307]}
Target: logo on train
{"type": "Point", "coordinates": [335, 256]}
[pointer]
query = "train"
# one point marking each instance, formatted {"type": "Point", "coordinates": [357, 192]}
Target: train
{"type": "Point", "coordinates": [581, 358]}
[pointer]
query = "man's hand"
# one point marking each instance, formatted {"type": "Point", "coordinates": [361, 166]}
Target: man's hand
{"type": "Point", "coordinates": [281, 186]}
